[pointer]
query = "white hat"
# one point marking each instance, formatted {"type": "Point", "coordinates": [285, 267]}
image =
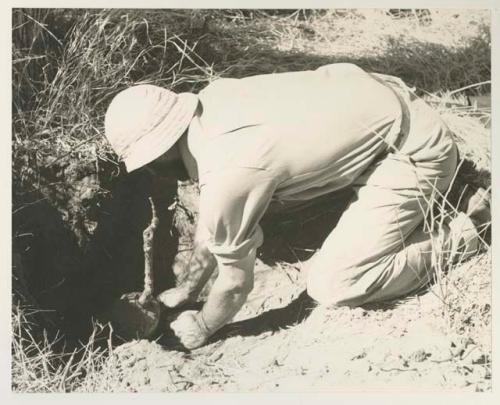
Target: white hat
{"type": "Point", "coordinates": [144, 121]}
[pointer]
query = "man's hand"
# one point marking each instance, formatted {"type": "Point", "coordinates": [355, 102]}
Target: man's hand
{"type": "Point", "coordinates": [174, 297]}
{"type": "Point", "coordinates": [191, 330]}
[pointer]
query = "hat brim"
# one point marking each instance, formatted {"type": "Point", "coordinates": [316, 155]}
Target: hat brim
{"type": "Point", "coordinates": [158, 141]}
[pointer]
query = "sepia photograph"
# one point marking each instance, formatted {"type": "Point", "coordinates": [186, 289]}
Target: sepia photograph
{"type": "Point", "coordinates": [250, 200]}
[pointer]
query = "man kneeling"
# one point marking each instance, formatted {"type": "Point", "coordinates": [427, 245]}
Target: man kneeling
{"type": "Point", "coordinates": [292, 137]}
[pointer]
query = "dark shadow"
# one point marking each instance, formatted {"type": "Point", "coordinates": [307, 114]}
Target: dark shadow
{"type": "Point", "coordinates": [76, 282]}
{"type": "Point", "coordinates": [115, 255]}
{"type": "Point", "coordinates": [270, 321]}
{"type": "Point", "coordinates": [293, 233]}
{"type": "Point", "coordinates": [468, 180]}
{"type": "Point", "coordinates": [45, 257]}
{"type": "Point", "coordinates": [426, 65]}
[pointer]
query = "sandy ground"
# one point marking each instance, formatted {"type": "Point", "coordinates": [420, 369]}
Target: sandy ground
{"type": "Point", "coordinates": [281, 342]}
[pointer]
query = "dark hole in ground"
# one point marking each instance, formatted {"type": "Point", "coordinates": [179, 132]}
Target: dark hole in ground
{"type": "Point", "coordinates": [75, 281]}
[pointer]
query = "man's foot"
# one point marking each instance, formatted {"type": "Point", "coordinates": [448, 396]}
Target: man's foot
{"type": "Point", "coordinates": [478, 209]}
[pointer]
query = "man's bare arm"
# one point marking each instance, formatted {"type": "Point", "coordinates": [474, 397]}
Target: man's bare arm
{"type": "Point", "coordinates": [200, 267]}
{"type": "Point", "coordinates": [227, 296]}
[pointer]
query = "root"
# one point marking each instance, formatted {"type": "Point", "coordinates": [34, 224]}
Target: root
{"type": "Point", "coordinates": [148, 236]}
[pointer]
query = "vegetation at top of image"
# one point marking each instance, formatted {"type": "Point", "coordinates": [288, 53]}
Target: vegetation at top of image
{"type": "Point", "coordinates": [68, 64]}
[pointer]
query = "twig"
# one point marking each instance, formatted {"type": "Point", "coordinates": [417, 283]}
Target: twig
{"type": "Point", "coordinates": [28, 58]}
{"type": "Point", "coordinates": [397, 369]}
{"type": "Point", "coordinates": [469, 87]}
{"type": "Point", "coordinates": [28, 205]}
{"type": "Point", "coordinates": [43, 27]}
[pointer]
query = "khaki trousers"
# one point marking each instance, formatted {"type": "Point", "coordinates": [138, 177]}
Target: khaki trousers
{"type": "Point", "coordinates": [379, 249]}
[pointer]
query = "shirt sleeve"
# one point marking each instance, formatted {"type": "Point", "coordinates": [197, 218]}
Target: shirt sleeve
{"type": "Point", "coordinates": [232, 202]}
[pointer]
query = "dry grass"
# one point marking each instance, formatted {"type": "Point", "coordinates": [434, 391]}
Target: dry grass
{"type": "Point", "coordinates": [68, 64]}
{"type": "Point", "coordinates": [63, 81]}
{"type": "Point", "coordinates": [40, 363]}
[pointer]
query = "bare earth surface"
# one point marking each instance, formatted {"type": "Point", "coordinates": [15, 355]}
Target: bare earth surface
{"type": "Point", "coordinates": [407, 347]}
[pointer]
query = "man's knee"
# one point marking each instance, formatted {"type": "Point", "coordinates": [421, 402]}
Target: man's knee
{"type": "Point", "coordinates": [321, 295]}
{"type": "Point", "coordinates": [317, 291]}
{"type": "Point", "coordinates": [346, 284]}
{"type": "Point", "coordinates": [326, 286]}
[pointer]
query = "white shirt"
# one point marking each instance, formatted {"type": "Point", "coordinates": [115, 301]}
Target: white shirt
{"type": "Point", "coordinates": [287, 136]}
